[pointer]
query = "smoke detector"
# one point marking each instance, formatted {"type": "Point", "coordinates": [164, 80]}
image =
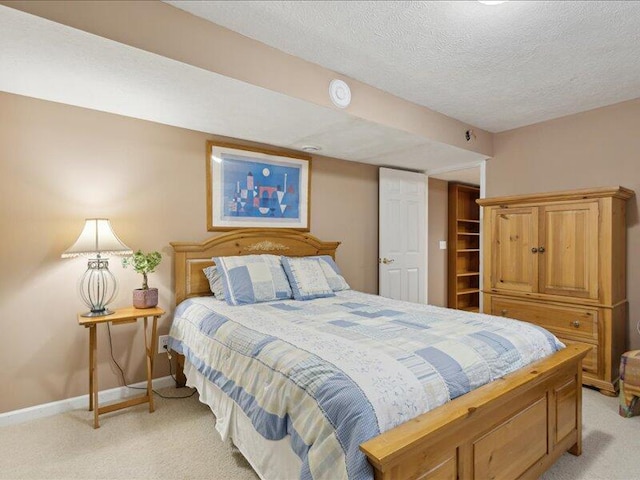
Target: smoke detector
{"type": "Point", "coordinates": [340, 93]}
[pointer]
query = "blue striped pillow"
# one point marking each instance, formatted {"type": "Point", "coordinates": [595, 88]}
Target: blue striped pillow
{"type": "Point", "coordinates": [215, 281]}
{"type": "Point", "coordinates": [253, 279]}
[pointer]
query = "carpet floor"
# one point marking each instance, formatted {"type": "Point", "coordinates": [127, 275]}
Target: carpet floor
{"type": "Point", "coordinates": [178, 441]}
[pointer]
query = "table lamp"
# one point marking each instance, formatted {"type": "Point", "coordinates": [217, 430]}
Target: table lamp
{"type": "Point", "coordinates": [98, 286]}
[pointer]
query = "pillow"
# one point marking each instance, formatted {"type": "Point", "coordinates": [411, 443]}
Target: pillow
{"type": "Point", "coordinates": [215, 281]}
{"type": "Point", "coordinates": [307, 278]}
{"type": "Point", "coordinates": [252, 279]}
{"type": "Point", "coordinates": [332, 272]}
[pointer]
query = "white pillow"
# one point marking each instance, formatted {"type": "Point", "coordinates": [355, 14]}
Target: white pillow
{"type": "Point", "coordinates": [332, 272]}
{"type": "Point", "coordinates": [307, 278]}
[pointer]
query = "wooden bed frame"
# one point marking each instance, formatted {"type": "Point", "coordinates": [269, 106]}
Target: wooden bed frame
{"type": "Point", "coordinates": [514, 427]}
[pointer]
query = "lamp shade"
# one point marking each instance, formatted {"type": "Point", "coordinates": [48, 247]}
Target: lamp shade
{"type": "Point", "coordinates": [97, 237]}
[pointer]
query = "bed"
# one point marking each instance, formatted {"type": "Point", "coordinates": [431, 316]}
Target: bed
{"type": "Point", "coordinates": [513, 427]}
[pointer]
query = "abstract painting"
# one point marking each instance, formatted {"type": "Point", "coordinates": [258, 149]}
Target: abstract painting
{"type": "Point", "coordinates": [256, 188]}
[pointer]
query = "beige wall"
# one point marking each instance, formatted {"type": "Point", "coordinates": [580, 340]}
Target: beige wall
{"type": "Point", "coordinates": [596, 148]}
{"type": "Point", "coordinates": [60, 164]}
{"type": "Point", "coordinates": [438, 227]}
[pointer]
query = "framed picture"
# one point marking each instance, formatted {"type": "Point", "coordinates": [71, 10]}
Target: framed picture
{"type": "Point", "coordinates": [250, 187]}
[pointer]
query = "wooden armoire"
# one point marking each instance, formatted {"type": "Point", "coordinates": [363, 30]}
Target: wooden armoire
{"type": "Point", "coordinates": [559, 260]}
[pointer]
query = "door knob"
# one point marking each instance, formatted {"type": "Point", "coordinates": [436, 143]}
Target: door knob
{"type": "Point", "coordinates": [386, 260]}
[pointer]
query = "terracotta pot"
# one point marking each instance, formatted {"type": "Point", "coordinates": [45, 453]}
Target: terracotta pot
{"type": "Point", "coordinates": [145, 298]}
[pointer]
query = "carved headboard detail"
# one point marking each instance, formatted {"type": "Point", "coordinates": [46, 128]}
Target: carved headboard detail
{"type": "Point", "coordinates": [266, 246]}
{"type": "Point", "coordinates": [191, 258]}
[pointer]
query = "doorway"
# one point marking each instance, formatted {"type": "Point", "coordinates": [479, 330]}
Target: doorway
{"type": "Point", "coordinates": [438, 243]}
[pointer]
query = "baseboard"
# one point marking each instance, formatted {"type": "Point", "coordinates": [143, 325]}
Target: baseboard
{"type": "Point", "coordinates": [75, 403]}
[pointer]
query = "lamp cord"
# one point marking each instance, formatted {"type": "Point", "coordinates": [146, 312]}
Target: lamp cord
{"type": "Point", "coordinates": [124, 381]}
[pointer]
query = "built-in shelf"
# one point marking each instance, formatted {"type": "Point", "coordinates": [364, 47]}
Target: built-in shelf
{"type": "Point", "coordinates": [467, 274]}
{"type": "Point", "coordinates": [464, 247]}
{"type": "Point", "coordinates": [471, 309]}
{"type": "Point", "coordinates": [466, 291]}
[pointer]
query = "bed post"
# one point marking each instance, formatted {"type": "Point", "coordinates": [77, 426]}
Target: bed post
{"type": "Point", "coordinates": [180, 259]}
{"type": "Point", "coordinates": [181, 380]}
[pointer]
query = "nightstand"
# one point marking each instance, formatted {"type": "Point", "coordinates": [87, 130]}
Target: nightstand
{"type": "Point", "coordinates": [120, 316]}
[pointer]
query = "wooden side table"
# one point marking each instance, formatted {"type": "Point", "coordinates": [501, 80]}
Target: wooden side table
{"type": "Point", "coordinates": [122, 315]}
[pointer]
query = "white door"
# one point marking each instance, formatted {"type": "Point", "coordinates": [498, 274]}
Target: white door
{"type": "Point", "coordinates": [403, 235]}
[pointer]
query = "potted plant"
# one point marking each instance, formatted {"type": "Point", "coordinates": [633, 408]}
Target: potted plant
{"type": "Point", "coordinates": [144, 263]}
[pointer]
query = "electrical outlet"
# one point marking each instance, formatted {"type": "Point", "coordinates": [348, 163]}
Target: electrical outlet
{"type": "Point", "coordinates": [163, 343]}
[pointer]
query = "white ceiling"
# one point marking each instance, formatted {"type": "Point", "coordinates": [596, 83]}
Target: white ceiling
{"type": "Point", "coordinates": [47, 60]}
{"type": "Point", "coordinates": [496, 67]}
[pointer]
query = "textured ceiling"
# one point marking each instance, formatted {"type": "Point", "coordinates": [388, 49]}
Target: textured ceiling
{"type": "Point", "coordinates": [47, 60]}
{"type": "Point", "coordinates": [497, 67]}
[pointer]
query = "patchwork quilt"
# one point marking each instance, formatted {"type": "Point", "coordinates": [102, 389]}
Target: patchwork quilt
{"type": "Point", "coordinates": [333, 372]}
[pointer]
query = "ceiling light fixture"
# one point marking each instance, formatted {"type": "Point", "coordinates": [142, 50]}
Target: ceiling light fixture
{"type": "Point", "coordinates": [340, 93]}
{"type": "Point", "coordinates": [492, 2]}
{"type": "Point", "coordinates": [311, 148]}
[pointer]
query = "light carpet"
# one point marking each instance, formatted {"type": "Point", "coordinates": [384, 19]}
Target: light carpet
{"type": "Point", "coordinates": [178, 441]}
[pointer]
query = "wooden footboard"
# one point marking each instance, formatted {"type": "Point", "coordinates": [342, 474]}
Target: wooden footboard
{"type": "Point", "coordinates": [515, 427]}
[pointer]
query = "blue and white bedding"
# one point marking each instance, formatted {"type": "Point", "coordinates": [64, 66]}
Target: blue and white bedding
{"type": "Point", "coordinates": [334, 372]}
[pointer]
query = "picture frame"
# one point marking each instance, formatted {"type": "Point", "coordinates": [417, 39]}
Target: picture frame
{"type": "Point", "coordinates": [250, 187]}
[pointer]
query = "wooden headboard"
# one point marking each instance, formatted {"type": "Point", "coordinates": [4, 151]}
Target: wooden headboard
{"type": "Point", "coordinates": [191, 258]}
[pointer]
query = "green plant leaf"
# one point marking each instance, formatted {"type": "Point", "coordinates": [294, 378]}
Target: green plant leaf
{"type": "Point", "coordinates": [143, 263]}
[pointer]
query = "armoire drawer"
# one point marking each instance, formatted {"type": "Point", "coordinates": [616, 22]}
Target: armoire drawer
{"type": "Point", "coordinates": [592, 360]}
{"type": "Point", "coordinates": [563, 321]}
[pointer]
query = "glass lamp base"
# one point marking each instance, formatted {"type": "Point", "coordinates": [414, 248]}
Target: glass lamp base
{"type": "Point", "coordinates": [97, 313]}
{"type": "Point", "coordinates": [97, 287]}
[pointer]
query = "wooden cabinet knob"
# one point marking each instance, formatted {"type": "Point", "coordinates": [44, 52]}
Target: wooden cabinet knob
{"type": "Point", "coordinates": [503, 312]}
{"type": "Point", "coordinates": [576, 323]}
{"type": "Point", "coordinates": [541, 249]}
{"type": "Point", "coordinates": [534, 250]}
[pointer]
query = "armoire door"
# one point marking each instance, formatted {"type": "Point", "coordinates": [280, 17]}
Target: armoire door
{"type": "Point", "coordinates": [514, 241]}
{"type": "Point", "coordinates": [568, 250]}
